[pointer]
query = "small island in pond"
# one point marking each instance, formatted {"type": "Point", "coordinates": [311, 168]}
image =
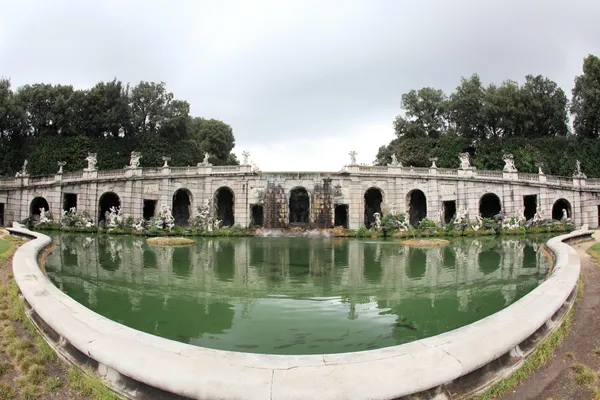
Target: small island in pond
{"type": "Point", "coordinates": [170, 241]}
{"type": "Point", "coordinates": [426, 242]}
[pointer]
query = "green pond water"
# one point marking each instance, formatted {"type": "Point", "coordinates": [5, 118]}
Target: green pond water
{"type": "Point", "coordinates": [295, 295]}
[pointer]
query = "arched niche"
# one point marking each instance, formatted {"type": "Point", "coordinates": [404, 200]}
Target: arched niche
{"type": "Point", "coordinates": [181, 206]}
{"type": "Point", "coordinates": [299, 206]}
{"type": "Point", "coordinates": [416, 206]}
{"type": "Point", "coordinates": [558, 207]}
{"type": "Point", "coordinates": [489, 205]}
{"type": "Point", "coordinates": [36, 205]}
{"type": "Point", "coordinates": [105, 203]}
{"type": "Point", "coordinates": [373, 199]}
{"type": "Point", "coordinates": [224, 206]}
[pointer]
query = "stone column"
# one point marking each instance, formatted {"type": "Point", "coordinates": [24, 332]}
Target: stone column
{"type": "Point", "coordinates": [241, 206]}
{"type": "Point", "coordinates": [89, 201]}
{"type": "Point", "coordinates": [356, 208]}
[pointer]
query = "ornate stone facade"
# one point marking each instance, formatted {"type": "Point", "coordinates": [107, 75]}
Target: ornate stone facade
{"type": "Point", "coordinates": [444, 194]}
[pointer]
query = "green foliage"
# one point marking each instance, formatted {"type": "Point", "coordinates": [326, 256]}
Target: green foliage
{"type": "Point", "coordinates": [530, 121]}
{"type": "Point", "coordinates": [214, 137]}
{"type": "Point", "coordinates": [363, 232]}
{"type": "Point", "coordinates": [4, 246]}
{"type": "Point", "coordinates": [393, 222]}
{"type": "Point", "coordinates": [427, 223]}
{"type": "Point", "coordinates": [594, 251]}
{"type": "Point", "coordinates": [72, 218]}
{"type": "Point", "coordinates": [49, 123]}
{"type": "Point", "coordinates": [586, 99]}
{"type": "Point", "coordinates": [557, 154]}
{"type": "Point", "coordinates": [53, 383]}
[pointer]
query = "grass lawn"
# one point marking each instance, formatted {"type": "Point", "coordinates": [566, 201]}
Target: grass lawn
{"type": "Point", "coordinates": [4, 246]}
{"type": "Point", "coordinates": [594, 251]}
{"type": "Point", "coordinates": [29, 368]}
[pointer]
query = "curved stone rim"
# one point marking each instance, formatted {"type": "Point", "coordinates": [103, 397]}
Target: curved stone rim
{"type": "Point", "coordinates": [196, 372]}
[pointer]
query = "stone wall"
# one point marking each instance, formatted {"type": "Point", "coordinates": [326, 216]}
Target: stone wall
{"type": "Point", "coordinates": [322, 205]}
{"type": "Point", "coordinates": [275, 207]}
{"type": "Point", "coordinates": [326, 190]}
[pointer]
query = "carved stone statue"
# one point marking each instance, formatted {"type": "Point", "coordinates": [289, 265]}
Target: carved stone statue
{"type": "Point", "coordinates": [245, 154]}
{"type": "Point", "coordinates": [441, 216]}
{"type": "Point", "coordinates": [540, 165]}
{"type": "Point", "coordinates": [255, 168]}
{"type": "Point", "coordinates": [565, 215]}
{"type": "Point", "coordinates": [377, 222]}
{"type": "Point", "coordinates": [393, 209]}
{"type": "Point", "coordinates": [166, 161]}
{"type": "Point", "coordinates": [509, 163]}
{"type": "Point", "coordinates": [520, 217]}
{"type": "Point", "coordinates": [461, 216]}
{"type": "Point", "coordinates": [23, 171]}
{"type": "Point", "coordinates": [478, 224]}
{"type": "Point", "coordinates": [353, 155]}
{"type": "Point", "coordinates": [539, 214]}
{"type": "Point", "coordinates": [134, 160]}
{"type": "Point", "coordinates": [395, 162]}
{"type": "Point", "coordinates": [205, 162]}
{"type": "Point", "coordinates": [578, 173]}
{"type": "Point", "coordinates": [465, 163]}
{"type": "Point", "coordinates": [433, 160]}
{"type": "Point", "coordinates": [91, 160]}
{"type": "Point", "coordinates": [61, 164]}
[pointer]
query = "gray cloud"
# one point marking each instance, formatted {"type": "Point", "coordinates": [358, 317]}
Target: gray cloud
{"type": "Point", "coordinates": [284, 73]}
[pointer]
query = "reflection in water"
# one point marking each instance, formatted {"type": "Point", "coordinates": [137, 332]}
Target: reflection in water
{"type": "Point", "coordinates": [294, 295]}
{"type": "Point", "coordinates": [417, 263]}
{"type": "Point", "coordinates": [489, 261]}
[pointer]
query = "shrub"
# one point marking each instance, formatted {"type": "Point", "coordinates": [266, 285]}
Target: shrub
{"type": "Point", "coordinates": [363, 232]}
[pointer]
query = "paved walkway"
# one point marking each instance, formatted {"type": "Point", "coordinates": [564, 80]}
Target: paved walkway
{"type": "Point", "coordinates": [555, 381]}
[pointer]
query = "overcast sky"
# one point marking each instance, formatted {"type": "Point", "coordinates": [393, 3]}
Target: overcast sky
{"type": "Point", "coordinates": [301, 82]}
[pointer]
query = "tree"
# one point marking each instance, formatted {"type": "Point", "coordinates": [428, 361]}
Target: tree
{"type": "Point", "coordinates": [529, 121]}
{"type": "Point", "coordinates": [214, 137]}
{"type": "Point", "coordinates": [48, 123]}
{"type": "Point", "coordinates": [502, 110]}
{"type": "Point", "coordinates": [425, 114]}
{"type": "Point", "coordinates": [12, 115]}
{"type": "Point", "coordinates": [153, 110]}
{"type": "Point", "coordinates": [466, 108]}
{"type": "Point", "coordinates": [105, 111]}
{"type": "Point", "coordinates": [585, 105]}
{"type": "Point", "coordinates": [545, 107]}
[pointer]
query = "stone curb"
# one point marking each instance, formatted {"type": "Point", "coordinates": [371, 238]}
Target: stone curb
{"type": "Point", "coordinates": [137, 363]}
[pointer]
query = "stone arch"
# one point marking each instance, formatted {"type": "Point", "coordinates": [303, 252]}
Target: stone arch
{"type": "Point", "coordinates": [106, 201]}
{"type": "Point", "coordinates": [341, 215]}
{"type": "Point", "coordinates": [224, 201]}
{"type": "Point", "coordinates": [35, 205]}
{"type": "Point", "coordinates": [558, 206]}
{"type": "Point", "coordinates": [416, 204]}
{"type": "Point", "coordinates": [373, 199]}
{"type": "Point", "coordinates": [181, 206]}
{"type": "Point", "coordinates": [299, 206]}
{"type": "Point", "coordinates": [489, 205]}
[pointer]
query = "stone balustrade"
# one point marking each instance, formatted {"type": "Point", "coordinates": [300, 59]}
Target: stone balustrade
{"type": "Point", "coordinates": [332, 198]}
{"type": "Point", "coordinates": [247, 169]}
